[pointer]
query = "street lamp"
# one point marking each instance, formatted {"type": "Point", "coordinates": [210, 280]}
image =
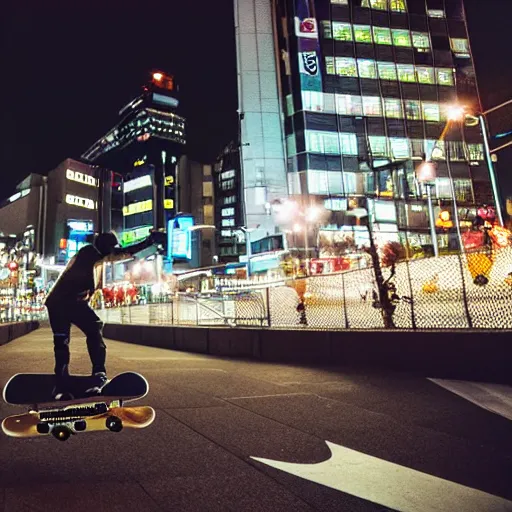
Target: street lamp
{"type": "Point", "coordinates": [426, 174]}
{"type": "Point", "coordinates": [459, 113]}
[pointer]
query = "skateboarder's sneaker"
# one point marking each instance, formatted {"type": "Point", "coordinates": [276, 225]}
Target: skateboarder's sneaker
{"type": "Point", "coordinates": [100, 382]}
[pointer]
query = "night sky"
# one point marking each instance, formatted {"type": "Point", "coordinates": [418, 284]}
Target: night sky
{"type": "Point", "coordinates": [68, 67]}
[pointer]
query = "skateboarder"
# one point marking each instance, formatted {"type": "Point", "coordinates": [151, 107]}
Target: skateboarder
{"type": "Point", "coordinates": [67, 304]}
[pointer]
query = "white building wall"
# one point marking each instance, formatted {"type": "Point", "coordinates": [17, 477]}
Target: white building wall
{"type": "Point", "coordinates": [262, 153]}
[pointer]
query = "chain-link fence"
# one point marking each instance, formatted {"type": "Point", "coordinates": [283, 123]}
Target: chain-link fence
{"type": "Point", "coordinates": [472, 290]}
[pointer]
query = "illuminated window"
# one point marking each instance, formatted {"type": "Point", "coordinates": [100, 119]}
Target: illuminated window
{"type": "Point", "coordinates": [366, 68]}
{"type": "Point", "coordinates": [413, 110]}
{"type": "Point", "coordinates": [418, 151]}
{"type": "Point", "coordinates": [322, 142]}
{"type": "Point", "coordinates": [382, 35]}
{"type": "Point", "coordinates": [341, 31]}
{"type": "Point", "coordinates": [362, 34]}
{"type": "Point", "coordinates": [350, 183]}
{"type": "Point", "coordinates": [397, 5]}
{"type": "Point", "coordinates": [387, 70]}
{"type": "Point", "coordinates": [227, 212]}
{"type": "Point", "coordinates": [420, 40]}
{"type": "Point", "coordinates": [476, 151]}
{"type": "Point", "coordinates": [346, 66]}
{"type": "Point", "coordinates": [291, 145]}
{"type": "Point", "coordinates": [372, 106]}
{"type": "Point", "coordinates": [348, 142]}
{"type": "Point", "coordinates": [406, 73]}
{"type": "Point", "coordinates": [436, 13]}
{"type": "Point", "coordinates": [401, 37]}
{"type": "Point", "coordinates": [430, 111]}
{"type": "Point", "coordinates": [313, 101]}
{"type": "Point", "coordinates": [456, 150]}
{"type": "Point", "coordinates": [327, 29]}
{"type": "Point", "coordinates": [329, 65]}
{"type": "Point", "coordinates": [229, 200]}
{"type": "Point", "coordinates": [378, 145]}
{"type": "Point", "coordinates": [425, 75]}
{"type": "Point", "coordinates": [324, 182]}
{"type": "Point", "coordinates": [227, 174]}
{"type": "Point", "coordinates": [460, 47]}
{"type": "Point", "coordinates": [339, 2]}
{"type": "Point", "coordinates": [443, 188]}
{"type": "Point", "coordinates": [289, 105]}
{"type": "Point", "coordinates": [228, 222]}
{"type": "Point", "coordinates": [463, 190]}
{"type": "Point", "coordinates": [349, 105]}
{"type": "Point", "coordinates": [434, 149]}
{"type": "Point", "coordinates": [393, 108]}
{"type": "Point", "coordinates": [444, 76]}
{"type": "Point", "coordinates": [400, 149]}
{"type": "Point", "coordinates": [375, 4]}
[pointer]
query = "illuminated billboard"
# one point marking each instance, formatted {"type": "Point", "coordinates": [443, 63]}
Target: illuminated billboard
{"type": "Point", "coordinates": [179, 237]}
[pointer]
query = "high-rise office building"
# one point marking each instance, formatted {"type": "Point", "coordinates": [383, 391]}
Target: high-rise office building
{"type": "Point", "coordinates": [366, 89]}
{"type": "Point", "coordinates": [143, 149]}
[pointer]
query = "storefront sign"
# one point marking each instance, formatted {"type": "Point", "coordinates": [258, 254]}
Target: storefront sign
{"type": "Point", "coordinates": [134, 235]}
{"type": "Point", "coordinates": [79, 225]}
{"type": "Point", "coordinates": [169, 180]}
{"type": "Point", "coordinates": [168, 204]}
{"type": "Point", "coordinates": [135, 184]}
{"type": "Point", "coordinates": [140, 207]}
{"type": "Point", "coordinates": [81, 178]}
{"type": "Point", "coordinates": [82, 202]}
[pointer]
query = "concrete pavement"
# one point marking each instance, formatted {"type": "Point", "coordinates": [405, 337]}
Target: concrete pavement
{"type": "Point", "coordinates": [214, 415]}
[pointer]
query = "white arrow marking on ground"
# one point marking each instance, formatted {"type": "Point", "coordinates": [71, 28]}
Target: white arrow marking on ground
{"type": "Point", "coordinates": [391, 485]}
{"type": "Point", "coordinates": [496, 398]}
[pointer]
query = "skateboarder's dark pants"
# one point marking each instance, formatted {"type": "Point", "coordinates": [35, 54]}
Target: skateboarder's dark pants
{"type": "Point", "coordinates": [80, 314]}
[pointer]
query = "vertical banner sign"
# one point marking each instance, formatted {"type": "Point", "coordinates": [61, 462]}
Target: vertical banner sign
{"type": "Point", "coordinates": [306, 30]}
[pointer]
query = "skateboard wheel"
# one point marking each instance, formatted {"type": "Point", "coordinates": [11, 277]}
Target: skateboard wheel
{"type": "Point", "coordinates": [80, 425]}
{"type": "Point", "coordinates": [114, 424]}
{"type": "Point", "coordinates": [43, 428]}
{"type": "Point", "coordinates": [61, 433]}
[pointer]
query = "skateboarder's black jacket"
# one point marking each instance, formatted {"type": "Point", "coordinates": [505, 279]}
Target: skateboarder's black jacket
{"type": "Point", "coordinates": [76, 283]}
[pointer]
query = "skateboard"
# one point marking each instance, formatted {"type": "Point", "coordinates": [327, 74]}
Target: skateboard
{"type": "Point", "coordinates": [61, 423]}
{"type": "Point", "coordinates": [78, 412]}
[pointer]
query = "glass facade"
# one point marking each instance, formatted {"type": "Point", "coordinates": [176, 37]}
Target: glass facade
{"type": "Point", "coordinates": [373, 104]}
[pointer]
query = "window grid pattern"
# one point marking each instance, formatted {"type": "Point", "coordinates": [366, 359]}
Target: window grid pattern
{"type": "Point", "coordinates": [373, 106]}
{"type": "Point", "coordinates": [396, 148]}
{"type": "Point", "coordinates": [367, 68]}
{"type": "Point", "coordinates": [369, 34]}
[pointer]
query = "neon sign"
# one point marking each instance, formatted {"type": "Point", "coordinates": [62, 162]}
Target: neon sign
{"type": "Point", "coordinates": [143, 181]}
{"type": "Point", "coordinates": [140, 207]}
{"type": "Point", "coordinates": [81, 178]}
{"type": "Point", "coordinates": [82, 202]}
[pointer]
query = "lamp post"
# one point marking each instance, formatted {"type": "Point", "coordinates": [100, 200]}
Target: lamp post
{"type": "Point", "coordinates": [481, 118]}
{"type": "Point", "coordinates": [426, 174]}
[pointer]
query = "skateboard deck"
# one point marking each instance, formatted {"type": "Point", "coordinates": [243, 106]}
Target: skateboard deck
{"type": "Point", "coordinates": [36, 389]}
{"type": "Point", "coordinates": [61, 423]}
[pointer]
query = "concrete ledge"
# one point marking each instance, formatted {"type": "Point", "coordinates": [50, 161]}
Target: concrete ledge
{"type": "Point", "coordinates": [461, 354]}
{"type": "Point", "coordinates": [9, 332]}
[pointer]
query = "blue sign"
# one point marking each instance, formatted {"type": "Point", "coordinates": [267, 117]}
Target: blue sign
{"type": "Point", "coordinates": [179, 237]}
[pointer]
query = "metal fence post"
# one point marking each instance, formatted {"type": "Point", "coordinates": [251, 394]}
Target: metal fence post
{"type": "Point", "coordinates": [268, 305]}
{"type": "Point", "coordinates": [413, 316]}
{"type": "Point", "coordinates": [464, 293]}
{"type": "Point", "coordinates": [347, 325]}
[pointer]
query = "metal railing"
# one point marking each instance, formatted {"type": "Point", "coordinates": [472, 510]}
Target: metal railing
{"type": "Point", "coordinates": [460, 291]}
